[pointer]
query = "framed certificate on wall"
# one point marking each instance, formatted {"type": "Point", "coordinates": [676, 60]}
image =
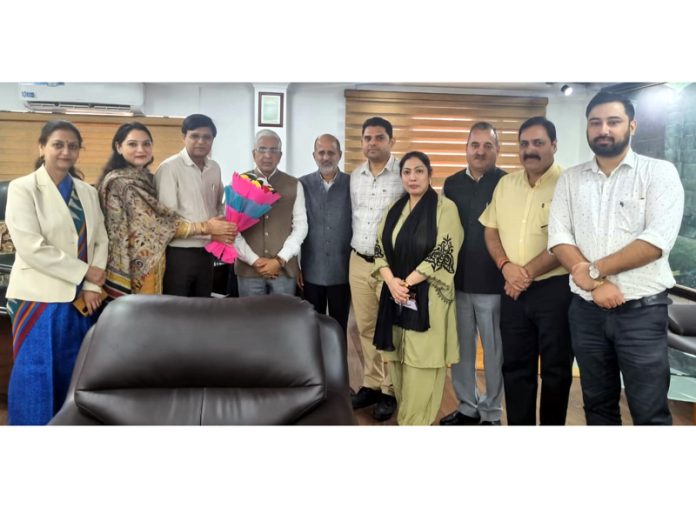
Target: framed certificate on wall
{"type": "Point", "coordinates": [270, 109]}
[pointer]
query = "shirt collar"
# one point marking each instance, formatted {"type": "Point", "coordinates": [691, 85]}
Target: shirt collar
{"type": "Point", "coordinates": [553, 171]}
{"type": "Point", "coordinates": [468, 173]}
{"type": "Point", "coordinates": [189, 161]}
{"type": "Point", "coordinates": [332, 180]}
{"type": "Point", "coordinates": [258, 173]}
{"type": "Point", "coordinates": [391, 164]}
{"type": "Point", "coordinates": [629, 160]}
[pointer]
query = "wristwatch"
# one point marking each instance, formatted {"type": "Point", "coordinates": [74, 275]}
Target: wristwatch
{"type": "Point", "coordinates": [594, 272]}
{"type": "Point", "coordinates": [281, 261]}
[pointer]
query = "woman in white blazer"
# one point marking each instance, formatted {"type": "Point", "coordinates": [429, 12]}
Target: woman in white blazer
{"type": "Point", "coordinates": [57, 226]}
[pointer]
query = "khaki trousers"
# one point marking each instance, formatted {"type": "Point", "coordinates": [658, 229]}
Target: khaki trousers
{"type": "Point", "coordinates": [365, 291]}
{"type": "Point", "coordinates": [418, 393]}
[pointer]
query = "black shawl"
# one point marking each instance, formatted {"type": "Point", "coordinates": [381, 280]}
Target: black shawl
{"type": "Point", "coordinates": [415, 241]}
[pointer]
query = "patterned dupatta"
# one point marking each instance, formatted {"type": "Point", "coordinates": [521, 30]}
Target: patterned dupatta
{"type": "Point", "coordinates": [139, 228]}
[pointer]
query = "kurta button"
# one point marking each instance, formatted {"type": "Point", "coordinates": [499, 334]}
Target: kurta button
{"type": "Point", "coordinates": [266, 233]}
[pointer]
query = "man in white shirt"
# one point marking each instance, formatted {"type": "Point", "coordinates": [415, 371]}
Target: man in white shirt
{"type": "Point", "coordinates": [374, 186]}
{"type": "Point", "coordinates": [189, 182]}
{"type": "Point", "coordinates": [267, 261]}
{"type": "Point", "coordinates": [613, 223]}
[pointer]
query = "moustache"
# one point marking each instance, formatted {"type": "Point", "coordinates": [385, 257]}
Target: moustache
{"type": "Point", "coordinates": [603, 138]}
{"type": "Point", "coordinates": [531, 156]}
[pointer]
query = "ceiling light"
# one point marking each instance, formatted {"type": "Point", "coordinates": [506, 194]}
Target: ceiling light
{"type": "Point", "coordinates": [567, 90]}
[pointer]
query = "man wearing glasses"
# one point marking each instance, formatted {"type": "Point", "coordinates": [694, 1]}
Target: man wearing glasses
{"type": "Point", "coordinates": [267, 261]}
{"type": "Point", "coordinates": [189, 182]}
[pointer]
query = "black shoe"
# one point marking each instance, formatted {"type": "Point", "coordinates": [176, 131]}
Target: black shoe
{"type": "Point", "coordinates": [457, 418]}
{"type": "Point", "coordinates": [494, 422]}
{"type": "Point", "coordinates": [365, 397]}
{"type": "Point", "coordinates": [385, 408]}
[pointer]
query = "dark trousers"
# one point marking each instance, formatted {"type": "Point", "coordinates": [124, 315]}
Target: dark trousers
{"type": "Point", "coordinates": [337, 297]}
{"type": "Point", "coordinates": [189, 272]}
{"type": "Point", "coordinates": [631, 340]}
{"type": "Point", "coordinates": [536, 326]}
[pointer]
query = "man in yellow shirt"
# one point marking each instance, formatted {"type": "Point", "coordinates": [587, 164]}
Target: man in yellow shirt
{"type": "Point", "coordinates": [534, 308]}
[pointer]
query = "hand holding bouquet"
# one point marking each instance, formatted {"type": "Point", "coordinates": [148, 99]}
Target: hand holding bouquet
{"type": "Point", "coordinates": [247, 198]}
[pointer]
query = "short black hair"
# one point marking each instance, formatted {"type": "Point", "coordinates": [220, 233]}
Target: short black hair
{"type": "Point", "coordinates": [606, 97]}
{"type": "Point", "coordinates": [538, 120]}
{"type": "Point", "coordinates": [378, 121]}
{"type": "Point", "coordinates": [196, 121]}
{"type": "Point", "coordinates": [484, 126]}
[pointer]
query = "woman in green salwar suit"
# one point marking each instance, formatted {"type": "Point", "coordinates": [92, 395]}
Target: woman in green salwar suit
{"type": "Point", "coordinates": [416, 256]}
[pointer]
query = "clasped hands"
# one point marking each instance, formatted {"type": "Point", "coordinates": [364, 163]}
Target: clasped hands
{"type": "Point", "coordinates": [604, 293]}
{"type": "Point", "coordinates": [399, 290]}
{"type": "Point", "coordinates": [268, 268]}
{"type": "Point", "coordinates": [517, 279]}
{"type": "Point", "coordinates": [93, 299]}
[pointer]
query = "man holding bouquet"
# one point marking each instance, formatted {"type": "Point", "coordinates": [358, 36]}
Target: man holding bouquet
{"type": "Point", "coordinates": [267, 251]}
{"type": "Point", "coordinates": [189, 182]}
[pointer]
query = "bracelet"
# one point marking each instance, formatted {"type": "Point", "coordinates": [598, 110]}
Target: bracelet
{"type": "Point", "coordinates": [600, 282]}
{"type": "Point", "coordinates": [502, 263]}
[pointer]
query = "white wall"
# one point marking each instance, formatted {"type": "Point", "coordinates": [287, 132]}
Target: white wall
{"type": "Point", "coordinates": [9, 98]}
{"type": "Point", "coordinates": [568, 115]}
{"type": "Point", "coordinates": [230, 105]}
{"type": "Point", "coordinates": [312, 109]}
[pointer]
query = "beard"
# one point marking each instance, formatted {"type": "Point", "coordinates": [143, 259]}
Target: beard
{"type": "Point", "coordinates": [327, 170]}
{"type": "Point", "coordinates": [611, 150]}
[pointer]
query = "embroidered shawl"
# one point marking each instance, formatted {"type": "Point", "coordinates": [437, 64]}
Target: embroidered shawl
{"type": "Point", "coordinates": [139, 228]}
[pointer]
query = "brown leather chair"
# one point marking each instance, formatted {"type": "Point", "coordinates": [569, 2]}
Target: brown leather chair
{"type": "Point", "coordinates": [205, 361]}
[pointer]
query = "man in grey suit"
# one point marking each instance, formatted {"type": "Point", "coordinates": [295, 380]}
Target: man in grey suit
{"type": "Point", "coordinates": [326, 249]}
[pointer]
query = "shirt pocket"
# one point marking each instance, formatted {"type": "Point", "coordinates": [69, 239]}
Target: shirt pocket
{"type": "Point", "coordinates": [630, 215]}
{"type": "Point", "coordinates": [540, 219]}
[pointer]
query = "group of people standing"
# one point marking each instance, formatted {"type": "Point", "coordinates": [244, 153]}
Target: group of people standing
{"type": "Point", "coordinates": [77, 246]}
{"type": "Point", "coordinates": [553, 265]}
{"type": "Point", "coordinates": [541, 264]}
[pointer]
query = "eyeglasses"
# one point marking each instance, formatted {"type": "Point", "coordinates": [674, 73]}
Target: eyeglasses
{"type": "Point", "coordinates": [264, 150]}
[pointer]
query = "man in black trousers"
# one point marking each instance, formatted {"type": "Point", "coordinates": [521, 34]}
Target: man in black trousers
{"type": "Point", "coordinates": [534, 308]}
{"type": "Point", "coordinates": [326, 249]}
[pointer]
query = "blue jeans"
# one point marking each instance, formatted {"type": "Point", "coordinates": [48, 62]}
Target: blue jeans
{"type": "Point", "coordinates": [253, 286]}
{"type": "Point", "coordinates": [630, 340]}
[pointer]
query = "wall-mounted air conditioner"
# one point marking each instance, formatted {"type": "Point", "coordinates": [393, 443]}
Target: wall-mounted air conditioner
{"type": "Point", "coordinates": [83, 98]}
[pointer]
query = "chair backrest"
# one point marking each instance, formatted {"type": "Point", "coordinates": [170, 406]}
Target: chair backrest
{"type": "Point", "coordinates": [3, 198]}
{"type": "Point", "coordinates": [207, 361]}
{"type": "Point", "coordinates": [681, 327]}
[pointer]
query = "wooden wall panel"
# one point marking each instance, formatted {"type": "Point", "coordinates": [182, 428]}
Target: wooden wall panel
{"type": "Point", "coordinates": [19, 133]}
{"type": "Point", "coordinates": [438, 124]}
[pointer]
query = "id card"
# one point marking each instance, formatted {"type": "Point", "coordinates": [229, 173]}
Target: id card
{"type": "Point", "coordinates": [411, 304]}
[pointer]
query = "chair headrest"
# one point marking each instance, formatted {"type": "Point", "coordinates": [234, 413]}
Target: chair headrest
{"type": "Point", "coordinates": [233, 357]}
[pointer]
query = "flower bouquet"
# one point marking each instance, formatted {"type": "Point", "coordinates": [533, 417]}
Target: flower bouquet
{"type": "Point", "coordinates": [247, 198]}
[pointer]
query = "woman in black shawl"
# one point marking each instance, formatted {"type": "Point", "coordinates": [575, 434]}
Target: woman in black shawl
{"type": "Point", "coordinates": [416, 256]}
